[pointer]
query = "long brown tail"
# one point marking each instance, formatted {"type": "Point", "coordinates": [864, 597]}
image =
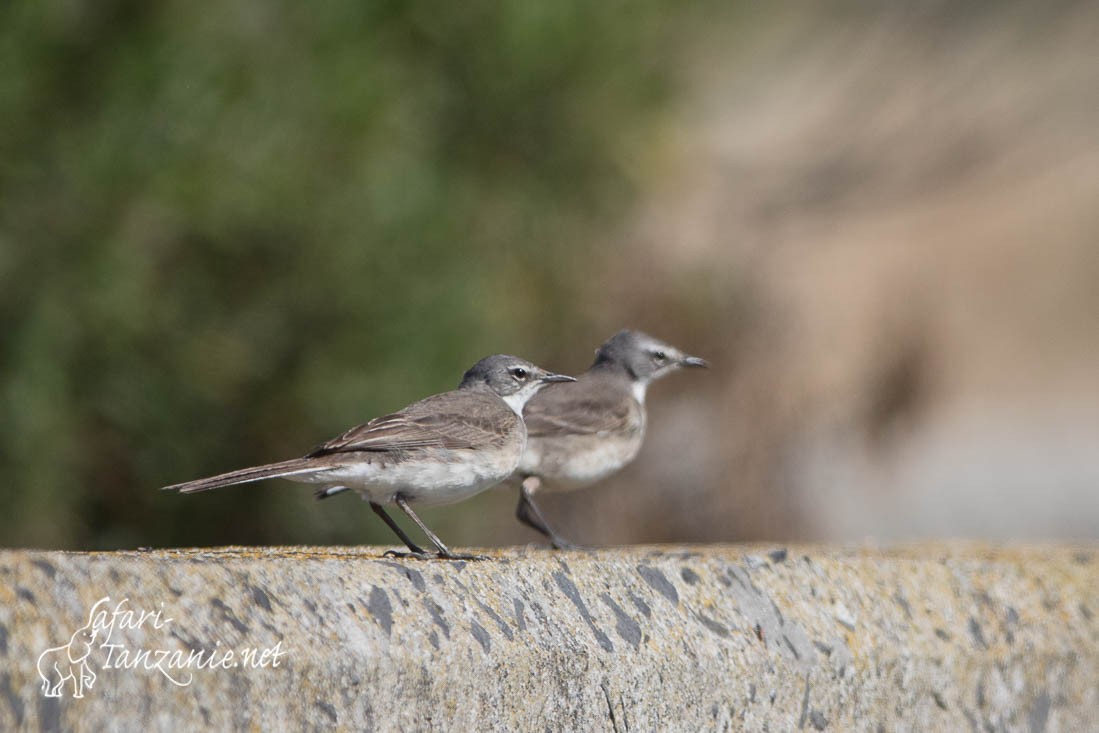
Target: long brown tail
{"type": "Point", "coordinates": [245, 475]}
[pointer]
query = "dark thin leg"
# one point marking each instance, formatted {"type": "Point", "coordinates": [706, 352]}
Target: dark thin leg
{"type": "Point", "coordinates": [529, 514]}
{"type": "Point", "coordinates": [414, 549]}
{"type": "Point", "coordinates": [444, 551]}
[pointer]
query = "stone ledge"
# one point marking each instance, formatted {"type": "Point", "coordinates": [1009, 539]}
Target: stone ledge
{"type": "Point", "coordinates": [931, 637]}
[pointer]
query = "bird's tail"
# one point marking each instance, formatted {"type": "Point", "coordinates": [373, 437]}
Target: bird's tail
{"type": "Point", "coordinates": [292, 467]}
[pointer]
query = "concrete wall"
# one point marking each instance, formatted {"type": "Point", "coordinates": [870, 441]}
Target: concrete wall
{"type": "Point", "coordinates": [642, 638]}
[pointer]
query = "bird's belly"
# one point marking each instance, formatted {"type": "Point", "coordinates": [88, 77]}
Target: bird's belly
{"type": "Point", "coordinates": [575, 461]}
{"type": "Point", "coordinates": [429, 480]}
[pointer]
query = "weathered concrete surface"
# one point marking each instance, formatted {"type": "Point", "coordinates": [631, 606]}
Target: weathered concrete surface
{"type": "Point", "coordinates": [644, 638]}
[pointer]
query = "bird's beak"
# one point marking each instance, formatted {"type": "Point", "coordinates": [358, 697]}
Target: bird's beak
{"type": "Point", "coordinates": [557, 378]}
{"type": "Point", "coordinates": [694, 361]}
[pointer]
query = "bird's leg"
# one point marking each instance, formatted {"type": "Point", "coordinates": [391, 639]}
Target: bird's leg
{"type": "Point", "coordinates": [414, 550]}
{"type": "Point", "coordinates": [528, 513]}
{"type": "Point", "coordinates": [328, 491]}
{"type": "Point", "coordinates": [444, 551]}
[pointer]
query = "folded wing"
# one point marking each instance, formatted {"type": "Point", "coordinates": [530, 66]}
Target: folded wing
{"type": "Point", "coordinates": [573, 411]}
{"type": "Point", "coordinates": [430, 423]}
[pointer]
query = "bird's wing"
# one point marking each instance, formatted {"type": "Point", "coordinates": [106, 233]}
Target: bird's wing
{"type": "Point", "coordinates": [437, 422]}
{"type": "Point", "coordinates": [580, 411]}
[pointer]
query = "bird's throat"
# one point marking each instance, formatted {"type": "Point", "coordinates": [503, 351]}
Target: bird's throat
{"type": "Point", "coordinates": [516, 402]}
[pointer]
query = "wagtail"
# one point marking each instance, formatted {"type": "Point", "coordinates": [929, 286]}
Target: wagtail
{"type": "Point", "coordinates": [580, 433]}
{"type": "Point", "coordinates": [439, 450]}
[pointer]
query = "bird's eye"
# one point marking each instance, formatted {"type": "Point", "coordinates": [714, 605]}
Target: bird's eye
{"type": "Point", "coordinates": [659, 355]}
{"type": "Point", "coordinates": [519, 373]}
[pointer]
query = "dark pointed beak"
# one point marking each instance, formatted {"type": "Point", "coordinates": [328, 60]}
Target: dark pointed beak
{"type": "Point", "coordinates": [557, 378]}
{"type": "Point", "coordinates": [694, 361]}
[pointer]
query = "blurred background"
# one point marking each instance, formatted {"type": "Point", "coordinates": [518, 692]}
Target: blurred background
{"type": "Point", "coordinates": [228, 233]}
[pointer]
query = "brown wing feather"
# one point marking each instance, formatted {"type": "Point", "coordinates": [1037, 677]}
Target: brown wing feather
{"type": "Point", "coordinates": [583, 408]}
{"type": "Point", "coordinates": [435, 422]}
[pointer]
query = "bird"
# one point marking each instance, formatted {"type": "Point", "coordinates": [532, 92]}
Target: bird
{"type": "Point", "coordinates": [580, 433]}
{"type": "Point", "coordinates": [441, 449]}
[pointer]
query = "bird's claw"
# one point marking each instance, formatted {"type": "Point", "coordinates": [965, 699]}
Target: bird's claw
{"type": "Point", "coordinates": [412, 554]}
{"type": "Point", "coordinates": [461, 556]}
{"type": "Point", "coordinates": [425, 555]}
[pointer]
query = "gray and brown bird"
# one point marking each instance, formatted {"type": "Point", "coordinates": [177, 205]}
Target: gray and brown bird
{"type": "Point", "coordinates": [582, 432]}
{"type": "Point", "coordinates": [442, 449]}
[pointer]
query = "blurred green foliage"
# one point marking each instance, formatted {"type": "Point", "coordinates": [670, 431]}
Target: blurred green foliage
{"type": "Point", "coordinates": [230, 230]}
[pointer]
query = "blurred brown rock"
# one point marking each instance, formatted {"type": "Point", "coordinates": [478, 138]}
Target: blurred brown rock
{"type": "Point", "coordinates": [881, 230]}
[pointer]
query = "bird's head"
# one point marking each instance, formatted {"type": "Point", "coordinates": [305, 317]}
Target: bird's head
{"type": "Point", "coordinates": [515, 380]}
{"type": "Point", "coordinates": [643, 357]}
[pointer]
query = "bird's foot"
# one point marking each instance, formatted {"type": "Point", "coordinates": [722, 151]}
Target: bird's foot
{"type": "Point", "coordinates": [560, 543]}
{"type": "Point", "coordinates": [425, 555]}
{"type": "Point", "coordinates": [461, 556]}
{"type": "Point", "coordinates": [411, 555]}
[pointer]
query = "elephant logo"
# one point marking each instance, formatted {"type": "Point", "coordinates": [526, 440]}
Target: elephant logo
{"type": "Point", "coordinates": [60, 664]}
